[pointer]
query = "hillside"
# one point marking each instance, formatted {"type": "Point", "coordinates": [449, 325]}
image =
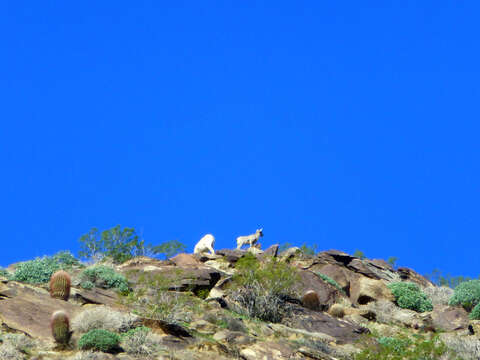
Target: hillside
{"type": "Point", "coordinates": [237, 304]}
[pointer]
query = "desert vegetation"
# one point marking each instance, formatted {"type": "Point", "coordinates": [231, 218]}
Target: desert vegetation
{"type": "Point", "coordinates": [231, 305]}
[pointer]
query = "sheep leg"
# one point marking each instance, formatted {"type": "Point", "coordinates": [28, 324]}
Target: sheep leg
{"type": "Point", "coordinates": [212, 252]}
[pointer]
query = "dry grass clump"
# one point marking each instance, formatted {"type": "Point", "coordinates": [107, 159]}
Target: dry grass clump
{"type": "Point", "coordinates": [89, 355]}
{"type": "Point", "coordinates": [101, 317]}
{"type": "Point", "coordinates": [337, 310]}
{"type": "Point", "coordinates": [439, 295]}
{"type": "Point", "coordinates": [9, 352]}
{"type": "Point", "coordinates": [466, 347]}
{"type": "Point", "coordinates": [15, 346]}
{"type": "Point", "coordinates": [142, 342]}
{"type": "Point", "coordinates": [384, 310]}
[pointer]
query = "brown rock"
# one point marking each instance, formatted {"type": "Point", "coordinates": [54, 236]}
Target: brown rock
{"type": "Point", "coordinates": [310, 300]}
{"type": "Point", "coordinates": [313, 321]}
{"type": "Point", "coordinates": [180, 278]}
{"type": "Point", "coordinates": [28, 309]}
{"type": "Point", "coordinates": [361, 267]}
{"type": "Point", "coordinates": [407, 274]}
{"type": "Point", "coordinates": [231, 256]}
{"type": "Point", "coordinates": [232, 337]}
{"type": "Point", "coordinates": [327, 293]}
{"type": "Point", "coordinates": [338, 273]}
{"type": "Point", "coordinates": [336, 256]}
{"type": "Point", "coordinates": [271, 251]}
{"type": "Point", "coordinates": [382, 264]}
{"type": "Point", "coordinates": [290, 253]}
{"type": "Point", "coordinates": [95, 296]}
{"type": "Point", "coordinates": [168, 328]}
{"type": "Point", "coordinates": [366, 290]}
{"type": "Point", "coordinates": [313, 354]}
{"type": "Point", "coordinates": [446, 318]}
{"type": "Point", "coordinates": [141, 262]}
{"type": "Point", "coordinates": [266, 351]}
{"type": "Point", "coordinates": [185, 260]}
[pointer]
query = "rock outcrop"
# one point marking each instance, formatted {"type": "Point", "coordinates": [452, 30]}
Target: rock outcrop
{"type": "Point", "coordinates": [333, 302]}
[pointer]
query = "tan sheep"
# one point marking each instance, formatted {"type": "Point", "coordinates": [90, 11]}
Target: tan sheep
{"type": "Point", "coordinates": [249, 239]}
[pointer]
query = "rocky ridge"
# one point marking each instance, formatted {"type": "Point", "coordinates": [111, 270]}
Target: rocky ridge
{"type": "Point", "coordinates": [327, 320]}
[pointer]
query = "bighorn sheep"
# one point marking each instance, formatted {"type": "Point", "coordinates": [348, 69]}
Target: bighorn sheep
{"type": "Point", "coordinates": [249, 239]}
{"type": "Point", "coordinates": [205, 244]}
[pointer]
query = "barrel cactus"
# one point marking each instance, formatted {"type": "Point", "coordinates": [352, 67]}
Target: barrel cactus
{"type": "Point", "coordinates": [310, 300]}
{"type": "Point", "coordinates": [60, 285]}
{"type": "Point", "coordinates": [60, 326]}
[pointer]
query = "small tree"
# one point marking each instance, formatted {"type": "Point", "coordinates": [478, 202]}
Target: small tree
{"type": "Point", "coordinates": [359, 254]}
{"type": "Point", "coordinates": [168, 248]}
{"type": "Point", "coordinates": [123, 244]}
{"type": "Point", "coordinates": [117, 243]}
{"type": "Point", "coordinates": [309, 250]}
{"type": "Point", "coordinates": [392, 260]}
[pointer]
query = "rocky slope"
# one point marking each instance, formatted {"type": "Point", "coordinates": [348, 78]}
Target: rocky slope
{"type": "Point", "coordinates": [336, 307]}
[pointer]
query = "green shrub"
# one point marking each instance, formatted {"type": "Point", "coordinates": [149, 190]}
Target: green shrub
{"type": "Point", "coordinates": [4, 273]}
{"type": "Point", "coordinates": [161, 304]}
{"type": "Point", "coordinates": [309, 250]}
{"type": "Point", "coordinates": [392, 260]}
{"type": "Point", "coordinates": [360, 254]}
{"type": "Point", "coordinates": [87, 284]}
{"type": "Point", "coordinates": [439, 279]}
{"type": "Point", "coordinates": [100, 340]}
{"type": "Point", "coordinates": [260, 289]}
{"type": "Point", "coordinates": [284, 246]}
{"type": "Point", "coordinates": [403, 348]}
{"type": "Point", "coordinates": [123, 244]}
{"type": "Point", "coordinates": [36, 271]}
{"type": "Point", "coordinates": [106, 277]}
{"type": "Point", "coordinates": [40, 270]}
{"type": "Point", "coordinates": [168, 248]}
{"type": "Point", "coordinates": [409, 296]}
{"type": "Point", "coordinates": [136, 330]}
{"type": "Point", "coordinates": [275, 276]}
{"type": "Point", "coordinates": [475, 314]}
{"type": "Point", "coordinates": [329, 280]}
{"type": "Point", "coordinates": [466, 294]}
{"type": "Point", "coordinates": [66, 259]}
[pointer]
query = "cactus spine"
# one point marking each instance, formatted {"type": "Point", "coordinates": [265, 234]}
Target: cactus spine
{"type": "Point", "coordinates": [60, 285]}
{"type": "Point", "coordinates": [60, 326]}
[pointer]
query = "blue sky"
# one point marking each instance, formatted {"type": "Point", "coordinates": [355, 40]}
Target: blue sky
{"type": "Point", "coordinates": [343, 124]}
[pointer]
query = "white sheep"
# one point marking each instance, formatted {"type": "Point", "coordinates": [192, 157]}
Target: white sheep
{"type": "Point", "coordinates": [205, 244]}
{"type": "Point", "coordinates": [249, 239]}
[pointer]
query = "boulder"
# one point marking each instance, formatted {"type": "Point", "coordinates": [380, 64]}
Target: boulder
{"type": "Point", "coordinates": [232, 337]}
{"type": "Point", "coordinates": [95, 296]}
{"type": "Point", "coordinates": [407, 274]}
{"type": "Point", "coordinates": [335, 257]}
{"type": "Point", "coordinates": [255, 251]}
{"type": "Point", "coordinates": [338, 273]}
{"type": "Point", "coordinates": [267, 351]}
{"type": "Point", "coordinates": [366, 290]}
{"type": "Point", "coordinates": [447, 318]}
{"type": "Point", "coordinates": [27, 309]}
{"type": "Point", "coordinates": [271, 251]}
{"type": "Point", "coordinates": [177, 277]}
{"type": "Point", "coordinates": [185, 260]}
{"type": "Point", "coordinates": [313, 321]}
{"type": "Point", "coordinates": [290, 253]}
{"type": "Point", "coordinates": [231, 256]}
{"type": "Point", "coordinates": [142, 262]}
{"type": "Point", "coordinates": [327, 293]}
